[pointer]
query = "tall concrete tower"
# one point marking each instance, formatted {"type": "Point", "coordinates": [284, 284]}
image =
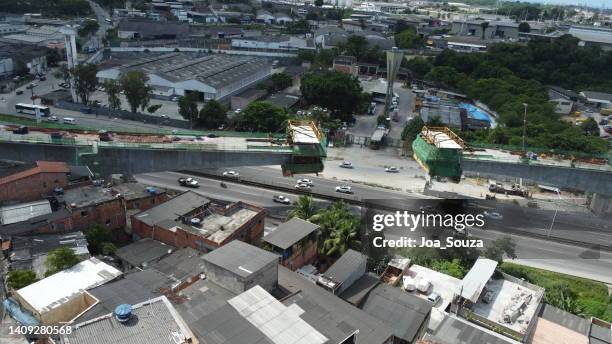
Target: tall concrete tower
{"type": "Point", "coordinates": [71, 54]}
{"type": "Point", "coordinates": [394, 60]}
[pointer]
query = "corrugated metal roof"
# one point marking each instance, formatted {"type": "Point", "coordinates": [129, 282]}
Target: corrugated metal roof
{"type": "Point", "coordinates": [290, 232]}
{"type": "Point", "coordinates": [240, 258]}
{"type": "Point", "coordinates": [144, 250]}
{"type": "Point", "coordinates": [281, 324]}
{"type": "Point", "coordinates": [152, 322]}
{"type": "Point", "coordinates": [344, 267]}
{"type": "Point", "coordinates": [472, 284]}
{"type": "Point", "coordinates": [172, 209]}
{"type": "Point", "coordinates": [23, 212]}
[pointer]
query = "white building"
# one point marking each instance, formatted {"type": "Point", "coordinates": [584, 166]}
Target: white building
{"type": "Point", "coordinates": [287, 43]}
{"type": "Point", "coordinates": [63, 296]}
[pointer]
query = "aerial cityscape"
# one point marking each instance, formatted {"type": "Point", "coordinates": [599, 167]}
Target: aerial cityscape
{"type": "Point", "coordinates": [305, 172]}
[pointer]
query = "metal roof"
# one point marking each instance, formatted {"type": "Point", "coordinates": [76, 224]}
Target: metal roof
{"type": "Point", "coordinates": [136, 287]}
{"type": "Point", "coordinates": [344, 267]}
{"type": "Point", "coordinates": [458, 331]}
{"type": "Point", "coordinates": [358, 291]}
{"type": "Point", "coordinates": [152, 322]}
{"type": "Point", "coordinates": [143, 251]}
{"type": "Point", "coordinates": [61, 287]}
{"type": "Point", "coordinates": [213, 70]}
{"type": "Point", "coordinates": [404, 312]}
{"type": "Point", "coordinates": [290, 232]}
{"type": "Point", "coordinates": [180, 264]}
{"type": "Point", "coordinates": [331, 316]}
{"type": "Point", "coordinates": [472, 284]}
{"type": "Point", "coordinates": [240, 258]}
{"type": "Point", "coordinates": [279, 323]}
{"type": "Point", "coordinates": [173, 208]}
{"type": "Point", "coordinates": [23, 212]}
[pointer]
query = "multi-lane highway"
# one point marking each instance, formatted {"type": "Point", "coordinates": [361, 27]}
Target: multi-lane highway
{"type": "Point", "coordinates": [566, 258]}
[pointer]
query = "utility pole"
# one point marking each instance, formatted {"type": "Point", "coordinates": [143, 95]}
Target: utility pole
{"type": "Point", "coordinates": [524, 126]}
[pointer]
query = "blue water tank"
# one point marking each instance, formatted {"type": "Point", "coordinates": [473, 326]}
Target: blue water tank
{"type": "Point", "coordinates": [123, 312]}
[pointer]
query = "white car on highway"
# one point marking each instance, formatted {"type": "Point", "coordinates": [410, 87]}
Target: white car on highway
{"type": "Point", "coordinates": [302, 186]}
{"type": "Point", "coordinates": [346, 164]}
{"type": "Point", "coordinates": [52, 119]}
{"type": "Point", "coordinates": [344, 189]}
{"type": "Point", "coordinates": [493, 215]}
{"type": "Point", "coordinates": [231, 174]}
{"type": "Point", "coordinates": [305, 181]}
{"type": "Point", "coordinates": [392, 169]}
{"type": "Point", "coordinates": [281, 199]}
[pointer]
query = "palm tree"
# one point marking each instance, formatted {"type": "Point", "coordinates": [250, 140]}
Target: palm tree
{"type": "Point", "coordinates": [304, 208]}
{"type": "Point", "coordinates": [343, 237]}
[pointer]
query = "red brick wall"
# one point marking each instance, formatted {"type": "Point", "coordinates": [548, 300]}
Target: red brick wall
{"type": "Point", "coordinates": [146, 203]}
{"type": "Point", "coordinates": [302, 257]}
{"type": "Point", "coordinates": [32, 188]}
{"type": "Point", "coordinates": [110, 214]}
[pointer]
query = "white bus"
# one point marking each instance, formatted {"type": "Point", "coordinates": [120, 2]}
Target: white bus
{"type": "Point", "coordinates": [31, 109]}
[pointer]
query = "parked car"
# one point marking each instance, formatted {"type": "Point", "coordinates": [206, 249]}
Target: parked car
{"type": "Point", "coordinates": [188, 182]}
{"type": "Point", "coordinates": [19, 92]}
{"type": "Point", "coordinates": [344, 189]}
{"type": "Point", "coordinates": [211, 135]}
{"type": "Point", "coordinates": [174, 99]}
{"type": "Point", "coordinates": [433, 298]}
{"type": "Point", "coordinates": [608, 129]}
{"type": "Point", "coordinates": [231, 174]}
{"type": "Point", "coordinates": [346, 164]}
{"type": "Point", "coordinates": [305, 181]}
{"type": "Point", "coordinates": [281, 199]}
{"type": "Point", "coordinates": [31, 86]}
{"type": "Point", "coordinates": [22, 130]}
{"type": "Point", "coordinates": [603, 122]}
{"type": "Point", "coordinates": [392, 169]}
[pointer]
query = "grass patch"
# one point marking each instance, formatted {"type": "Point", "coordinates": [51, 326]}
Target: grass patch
{"type": "Point", "coordinates": [576, 295]}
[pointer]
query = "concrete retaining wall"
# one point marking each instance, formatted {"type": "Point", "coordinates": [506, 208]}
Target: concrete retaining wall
{"type": "Point", "coordinates": [107, 161]}
{"type": "Point", "coordinates": [568, 178]}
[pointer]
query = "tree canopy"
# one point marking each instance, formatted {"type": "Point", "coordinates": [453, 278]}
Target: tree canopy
{"type": "Point", "coordinates": [85, 80]}
{"type": "Point", "coordinates": [137, 92]}
{"type": "Point", "coordinates": [60, 259]}
{"type": "Point", "coordinates": [261, 116]}
{"type": "Point", "coordinates": [408, 39]}
{"type": "Point", "coordinates": [213, 114]}
{"type": "Point", "coordinates": [509, 75]}
{"type": "Point", "coordinates": [339, 92]}
{"type": "Point", "coordinates": [188, 107]}
{"type": "Point", "coordinates": [97, 236]}
{"type": "Point", "coordinates": [18, 279]}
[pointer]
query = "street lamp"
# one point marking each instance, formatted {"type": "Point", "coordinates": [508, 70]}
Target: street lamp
{"type": "Point", "coordinates": [524, 126]}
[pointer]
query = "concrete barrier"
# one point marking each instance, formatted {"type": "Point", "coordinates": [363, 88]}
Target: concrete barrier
{"type": "Point", "coordinates": [568, 178]}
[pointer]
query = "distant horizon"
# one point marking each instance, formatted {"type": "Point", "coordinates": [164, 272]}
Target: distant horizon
{"type": "Point", "coordinates": [589, 3]}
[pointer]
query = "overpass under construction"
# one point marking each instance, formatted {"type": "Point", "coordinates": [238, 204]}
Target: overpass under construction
{"type": "Point", "coordinates": [442, 154]}
{"type": "Point", "coordinates": [300, 150]}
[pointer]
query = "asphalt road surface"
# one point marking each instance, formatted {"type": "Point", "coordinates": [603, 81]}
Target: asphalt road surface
{"type": "Point", "coordinates": [550, 255]}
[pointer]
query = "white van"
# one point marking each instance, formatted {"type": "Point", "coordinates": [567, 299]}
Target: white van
{"type": "Point", "coordinates": [68, 120]}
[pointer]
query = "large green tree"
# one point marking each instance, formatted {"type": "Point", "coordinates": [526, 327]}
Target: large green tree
{"type": "Point", "coordinates": [188, 107]}
{"type": "Point", "coordinates": [408, 39]}
{"type": "Point", "coordinates": [261, 116]}
{"type": "Point", "coordinates": [112, 89]}
{"type": "Point", "coordinates": [213, 114]}
{"type": "Point", "coordinates": [339, 92]}
{"type": "Point", "coordinates": [137, 92]}
{"type": "Point", "coordinates": [279, 81]}
{"type": "Point", "coordinates": [85, 81]}
{"type": "Point", "coordinates": [60, 259]}
{"type": "Point", "coordinates": [97, 236]}
{"type": "Point", "coordinates": [17, 279]}
{"type": "Point", "coordinates": [412, 129]}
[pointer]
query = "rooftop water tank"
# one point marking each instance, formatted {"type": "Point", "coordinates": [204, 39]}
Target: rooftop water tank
{"type": "Point", "coordinates": [123, 312]}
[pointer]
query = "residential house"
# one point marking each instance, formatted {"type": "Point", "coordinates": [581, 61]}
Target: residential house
{"type": "Point", "coordinates": [95, 205]}
{"type": "Point", "coordinates": [157, 322]}
{"type": "Point", "coordinates": [344, 272]}
{"type": "Point", "coordinates": [61, 297]}
{"type": "Point", "coordinates": [191, 220]}
{"type": "Point", "coordinates": [32, 181]}
{"type": "Point", "coordinates": [142, 253]}
{"type": "Point", "coordinates": [295, 241]}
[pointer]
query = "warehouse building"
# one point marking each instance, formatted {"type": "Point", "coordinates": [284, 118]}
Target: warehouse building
{"type": "Point", "coordinates": [209, 77]}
